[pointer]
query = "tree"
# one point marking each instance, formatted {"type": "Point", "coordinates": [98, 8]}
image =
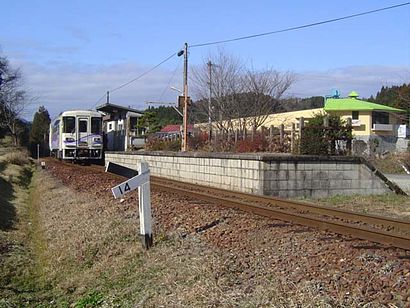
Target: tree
{"type": "Point", "coordinates": [39, 130]}
{"type": "Point", "coordinates": [226, 84]}
{"type": "Point", "coordinates": [394, 96]}
{"type": "Point", "coordinates": [238, 92]}
{"type": "Point", "coordinates": [12, 100]}
{"type": "Point", "coordinates": [264, 89]}
{"type": "Point", "coordinates": [148, 122]}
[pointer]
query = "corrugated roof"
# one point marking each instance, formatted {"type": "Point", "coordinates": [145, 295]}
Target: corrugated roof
{"type": "Point", "coordinates": [354, 104]}
{"type": "Point", "coordinates": [171, 128]}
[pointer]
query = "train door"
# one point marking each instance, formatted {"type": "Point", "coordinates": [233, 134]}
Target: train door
{"type": "Point", "coordinates": [83, 135]}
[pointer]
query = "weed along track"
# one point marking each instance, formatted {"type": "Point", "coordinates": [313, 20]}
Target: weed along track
{"type": "Point", "coordinates": [287, 252]}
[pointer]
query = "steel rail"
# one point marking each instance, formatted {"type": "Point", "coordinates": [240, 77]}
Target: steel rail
{"type": "Point", "coordinates": [370, 234]}
{"type": "Point", "coordinates": [301, 206]}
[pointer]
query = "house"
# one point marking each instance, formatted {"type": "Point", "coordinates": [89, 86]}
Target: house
{"type": "Point", "coordinates": [174, 131]}
{"type": "Point", "coordinates": [371, 123]}
{"type": "Point", "coordinates": [120, 127]}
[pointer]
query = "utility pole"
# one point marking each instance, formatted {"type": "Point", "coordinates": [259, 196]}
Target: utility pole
{"type": "Point", "coordinates": [210, 100]}
{"type": "Point", "coordinates": [108, 97]}
{"type": "Point", "coordinates": [185, 137]}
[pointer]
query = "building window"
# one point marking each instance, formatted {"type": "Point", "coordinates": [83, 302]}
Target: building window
{"type": "Point", "coordinates": [355, 115]}
{"type": "Point", "coordinates": [119, 126]}
{"type": "Point", "coordinates": [110, 126]}
{"type": "Point", "coordinates": [379, 117]}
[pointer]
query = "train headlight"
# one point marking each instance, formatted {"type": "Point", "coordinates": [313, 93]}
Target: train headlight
{"type": "Point", "coordinates": [97, 139]}
{"type": "Point", "coordinates": [68, 139]}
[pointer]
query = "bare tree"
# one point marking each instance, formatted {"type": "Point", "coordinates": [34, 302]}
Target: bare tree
{"type": "Point", "coordinates": [12, 99]}
{"type": "Point", "coordinates": [264, 89]}
{"type": "Point", "coordinates": [245, 95]}
{"type": "Point", "coordinates": [226, 84]}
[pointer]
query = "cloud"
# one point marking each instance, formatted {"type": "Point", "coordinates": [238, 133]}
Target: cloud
{"type": "Point", "coordinates": [366, 80]}
{"type": "Point", "coordinates": [78, 34]}
{"type": "Point", "coordinates": [63, 87]}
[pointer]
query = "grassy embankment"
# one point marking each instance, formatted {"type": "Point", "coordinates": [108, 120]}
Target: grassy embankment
{"type": "Point", "coordinates": [60, 248]}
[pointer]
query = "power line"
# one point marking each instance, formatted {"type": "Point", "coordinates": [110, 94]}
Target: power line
{"type": "Point", "coordinates": [169, 81]}
{"type": "Point", "coordinates": [145, 73]}
{"type": "Point", "coordinates": [300, 27]}
{"type": "Point", "coordinates": [138, 77]}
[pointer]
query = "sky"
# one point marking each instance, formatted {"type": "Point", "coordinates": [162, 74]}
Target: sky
{"type": "Point", "coordinates": [71, 52]}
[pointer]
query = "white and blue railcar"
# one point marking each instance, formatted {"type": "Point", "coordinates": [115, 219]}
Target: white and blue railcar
{"type": "Point", "coordinates": [77, 135]}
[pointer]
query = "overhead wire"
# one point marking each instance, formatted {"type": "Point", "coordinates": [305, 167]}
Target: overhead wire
{"type": "Point", "coordinates": [139, 76]}
{"type": "Point", "coordinates": [299, 27]}
{"type": "Point", "coordinates": [254, 36]}
{"type": "Point", "coordinates": [170, 80]}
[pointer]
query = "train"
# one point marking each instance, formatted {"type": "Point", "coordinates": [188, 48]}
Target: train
{"type": "Point", "coordinates": [77, 135]}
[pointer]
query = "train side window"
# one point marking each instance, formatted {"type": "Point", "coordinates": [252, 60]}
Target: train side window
{"type": "Point", "coordinates": [82, 126]}
{"type": "Point", "coordinates": [95, 125]}
{"type": "Point", "coordinates": [69, 124]}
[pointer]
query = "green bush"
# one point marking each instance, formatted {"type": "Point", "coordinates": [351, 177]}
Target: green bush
{"type": "Point", "coordinates": [320, 140]}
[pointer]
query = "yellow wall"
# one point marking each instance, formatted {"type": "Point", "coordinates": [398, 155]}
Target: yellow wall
{"type": "Point", "coordinates": [287, 118]}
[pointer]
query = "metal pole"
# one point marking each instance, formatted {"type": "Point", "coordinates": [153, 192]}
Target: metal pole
{"type": "Point", "coordinates": [210, 101]}
{"type": "Point", "coordinates": [185, 136]}
{"type": "Point", "coordinates": [108, 97]}
{"type": "Point", "coordinates": [38, 153]}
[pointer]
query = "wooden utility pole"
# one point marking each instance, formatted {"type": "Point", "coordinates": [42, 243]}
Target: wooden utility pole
{"type": "Point", "coordinates": [185, 136]}
{"type": "Point", "coordinates": [210, 101]}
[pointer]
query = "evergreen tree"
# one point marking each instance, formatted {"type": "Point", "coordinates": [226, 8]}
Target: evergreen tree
{"type": "Point", "coordinates": [39, 131]}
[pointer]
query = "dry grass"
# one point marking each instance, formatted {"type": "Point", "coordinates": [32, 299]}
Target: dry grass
{"type": "Point", "coordinates": [392, 163]}
{"type": "Point", "coordinates": [86, 253]}
{"type": "Point", "coordinates": [389, 205]}
{"type": "Point", "coordinates": [16, 157]}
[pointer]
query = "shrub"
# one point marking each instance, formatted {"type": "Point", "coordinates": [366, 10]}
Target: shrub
{"type": "Point", "coordinates": [158, 144]}
{"type": "Point", "coordinates": [17, 158]}
{"type": "Point", "coordinates": [258, 144]}
{"type": "Point", "coordinates": [320, 140]}
{"type": "Point", "coordinates": [199, 142]}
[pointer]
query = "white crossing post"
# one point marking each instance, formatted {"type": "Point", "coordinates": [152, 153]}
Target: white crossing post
{"type": "Point", "coordinates": [144, 199]}
{"type": "Point", "coordinates": [140, 181]}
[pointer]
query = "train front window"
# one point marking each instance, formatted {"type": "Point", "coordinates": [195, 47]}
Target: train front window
{"type": "Point", "coordinates": [69, 125]}
{"type": "Point", "coordinates": [82, 124]}
{"type": "Point", "coordinates": [95, 125]}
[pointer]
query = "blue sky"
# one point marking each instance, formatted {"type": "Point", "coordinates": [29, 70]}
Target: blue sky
{"type": "Point", "coordinates": [71, 52]}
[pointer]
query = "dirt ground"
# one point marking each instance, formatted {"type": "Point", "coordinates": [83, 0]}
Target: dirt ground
{"type": "Point", "coordinates": [244, 260]}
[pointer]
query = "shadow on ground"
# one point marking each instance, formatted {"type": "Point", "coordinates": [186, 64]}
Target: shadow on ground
{"type": "Point", "coordinates": [3, 166]}
{"type": "Point", "coordinates": [7, 209]}
{"type": "Point", "coordinates": [24, 179]}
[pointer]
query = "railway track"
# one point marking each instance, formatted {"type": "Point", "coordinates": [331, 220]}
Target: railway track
{"type": "Point", "coordinates": [377, 229]}
{"type": "Point", "coordinates": [388, 231]}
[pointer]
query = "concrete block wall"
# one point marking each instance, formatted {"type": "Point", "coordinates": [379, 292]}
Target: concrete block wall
{"type": "Point", "coordinates": [303, 177]}
{"type": "Point", "coordinates": [268, 174]}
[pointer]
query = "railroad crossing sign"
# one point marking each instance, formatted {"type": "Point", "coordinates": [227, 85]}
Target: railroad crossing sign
{"type": "Point", "coordinates": [141, 181]}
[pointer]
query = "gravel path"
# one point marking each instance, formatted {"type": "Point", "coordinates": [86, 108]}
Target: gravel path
{"type": "Point", "coordinates": [342, 270]}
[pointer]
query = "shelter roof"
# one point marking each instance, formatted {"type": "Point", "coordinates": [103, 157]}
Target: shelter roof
{"type": "Point", "coordinates": [112, 108]}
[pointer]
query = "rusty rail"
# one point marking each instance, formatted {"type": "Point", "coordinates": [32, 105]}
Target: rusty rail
{"type": "Point", "coordinates": [357, 231]}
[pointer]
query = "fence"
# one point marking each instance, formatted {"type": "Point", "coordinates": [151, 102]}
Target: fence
{"type": "Point", "coordinates": [329, 138]}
